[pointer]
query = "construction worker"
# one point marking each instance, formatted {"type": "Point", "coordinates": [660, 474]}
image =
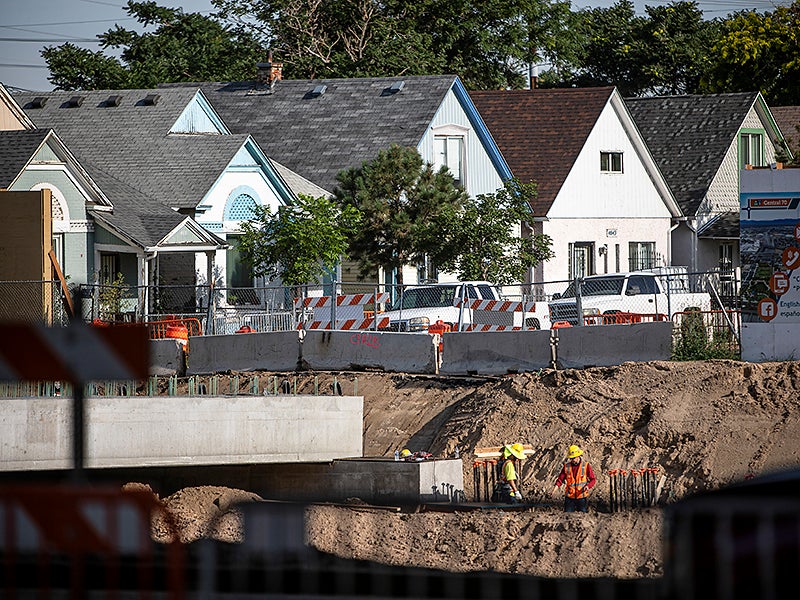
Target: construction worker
{"type": "Point", "coordinates": [507, 487]}
{"type": "Point", "coordinates": [579, 478]}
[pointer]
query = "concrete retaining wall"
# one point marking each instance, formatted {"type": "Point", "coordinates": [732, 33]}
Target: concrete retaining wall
{"type": "Point", "coordinates": [275, 351]}
{"type": "Point", "coordinates": [167, 358]}
{"type": "Point", "coordinates": [495, 352]}
{"type": "Point", "coordinates": [36, 433]}
{"type": "Point", "coordinates": [377, 481]}
{"type": "Point", "coordinates": [356, 350]}
{"type": "Point", "coordinates": [580, 347]}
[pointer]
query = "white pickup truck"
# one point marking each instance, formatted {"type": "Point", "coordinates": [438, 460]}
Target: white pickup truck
{"type": "Point", "coordinates": [420, 307]}
{"type": "Point", "coordinates": [636, 293]}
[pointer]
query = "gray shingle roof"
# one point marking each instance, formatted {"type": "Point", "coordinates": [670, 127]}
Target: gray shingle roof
{"type": "Point", "coordinates": [143, 219]}
{"type": "Point", "coordinates": [725, 226]}
{"type": "Point", "coordinates": [689, 136]}
{"type": "Point", "coordinates": [131, 140]}
{"type": "Point", "coordinates": [318, 136]}
{"type": "Point", "coordinates": [16, 150]}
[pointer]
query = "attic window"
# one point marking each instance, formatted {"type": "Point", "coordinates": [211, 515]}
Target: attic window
{"type": "Point", "coordinates": [39, 102]}
{"type": "Point", "coordinates": [151, 99]}
{"type": "Point", "coordinates": [611, 162]}
{"type": "Point", "coordinates": [113, 100]}
{"type": "Point", "coordinates": [75, 101]}
{"type": "Point", "coordinates": [318, 91]}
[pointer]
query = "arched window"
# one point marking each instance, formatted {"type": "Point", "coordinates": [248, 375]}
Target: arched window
{"type": "Point", "coordinates": [240, 207]}
{"type": "Point", "coordinates": [60, 212]}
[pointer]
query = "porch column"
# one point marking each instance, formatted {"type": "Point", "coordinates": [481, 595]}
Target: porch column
{"type": "Point", "coordinates": [211, 258]}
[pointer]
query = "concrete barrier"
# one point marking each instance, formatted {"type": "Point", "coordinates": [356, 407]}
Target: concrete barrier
{"type": "Point", "coordinates": [495, 352]}
{"type": "Point", "coordinates": [762, 342]}
{"type": "Point", "coordinates": [607, 345]}
{"type": "Point", "coordinates": [141, 431]}
{"type": "Point", "coordinates": [357, 350]}
{"type": "Point", "coordinates": [167, 358]}
{"type": "Point", "coordinates": [274, 351]}
{"type": "Point", "coordinates": [377, 481]}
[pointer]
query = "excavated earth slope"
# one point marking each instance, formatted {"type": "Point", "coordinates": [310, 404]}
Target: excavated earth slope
{"type": "Point", "coordinates": [703, 424]}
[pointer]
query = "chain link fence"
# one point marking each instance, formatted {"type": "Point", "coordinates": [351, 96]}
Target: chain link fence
{"type": "Point", "coordinates": [32, 302]}
{"type": "Point", "coordinates": [693, 301]}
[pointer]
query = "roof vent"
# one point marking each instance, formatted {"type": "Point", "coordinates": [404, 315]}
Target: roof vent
{"type": "Point", "coordinates": [396, 87]}
{"type": "Point", "coordinates": [39, 102]}
{"type": "Point", "coordinates": [113, 100]}
{"type": "Point", "coordinates": [317, 91]}
{"type": "Point", "coordinates": [151, 99]}
{"type": "Point", "coordinates": [75, 101]}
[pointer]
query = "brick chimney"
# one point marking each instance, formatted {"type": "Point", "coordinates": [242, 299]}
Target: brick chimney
{"type": "Point", "coordinates": [269, 72]}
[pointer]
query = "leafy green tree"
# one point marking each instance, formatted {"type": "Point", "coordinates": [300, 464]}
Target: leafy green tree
{"type": "Point", "coordinates": [409, 210]}
{"type": "Point", "coordinates": [485, 43]}
{"type": "Point", "coordinates": [759, 50]}
{"type": "Point", "coordinates": [299, 242]}
{"type": "Point", "coordinates": [613, 52]}
{"type": "Point", "coordinates": [664, 52]}
{"type": "Point", "coordinates": [489, 247]}
{"type": "Point", "coordinates": [183, 47]}
{"type": "Point", "coordinates": [677, 42]}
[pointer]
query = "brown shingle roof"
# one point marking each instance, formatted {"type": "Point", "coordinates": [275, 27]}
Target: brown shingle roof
{"type": "Point", "coordinates": [788, 120]}
{"type": "Point", "coordinates": [541, 132]}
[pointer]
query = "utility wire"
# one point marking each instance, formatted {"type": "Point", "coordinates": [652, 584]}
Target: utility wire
{"type": "Point", "coordinates": [6, 65]}
{"type": "Point", "coordinates": [40, 40]}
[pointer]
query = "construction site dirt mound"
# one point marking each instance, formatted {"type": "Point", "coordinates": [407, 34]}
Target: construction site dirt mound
{"type": "Point", "coordinates": [701, 424]}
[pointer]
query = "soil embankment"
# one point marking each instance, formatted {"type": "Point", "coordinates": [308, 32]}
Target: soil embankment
{"type": "Point", "coordinates": [702, 424]}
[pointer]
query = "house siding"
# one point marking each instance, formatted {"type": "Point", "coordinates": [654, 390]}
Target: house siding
{"type": "Point", "coordinates": [481, 174]}
{"type": "Point", "coordinates": [76, 201]}
{"type": "Point", "coordinates": [599, 232]}
{"type": "Point", "coordinates": [589, 193]}
{"type": "Point", "coordinates": [78, 262]}
{"type": "Point", "coordinates": [605, 209]}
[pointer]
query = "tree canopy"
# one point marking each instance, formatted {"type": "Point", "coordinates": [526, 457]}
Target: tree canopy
{"type": "Point", "coordinates": [408, 209]}
{"type": "Point", "coordinates": [670, 49]}
{"type": "Point", "coordinates": [489, 243]}
{"type": "Point", "coordinates": [183, 47]}
{"type": "Point", "coordinates": [300, 242]}
{"type": "Point", "coordinates": [760, 51]}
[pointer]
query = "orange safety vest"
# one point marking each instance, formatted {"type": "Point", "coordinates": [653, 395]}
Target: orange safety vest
{"type": "Point", "coordinates": [576, 484]}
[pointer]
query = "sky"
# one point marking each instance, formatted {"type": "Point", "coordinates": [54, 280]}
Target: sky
{"type": "Point", "coordinates": [28, 26]}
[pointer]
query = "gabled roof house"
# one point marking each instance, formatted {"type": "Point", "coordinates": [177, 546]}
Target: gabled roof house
{"type": "Point", "coordinates": [701, 143]}
{"type": "Point", "coordinates": [318, 128]}
{"type": "Point", "coordinates": [601, 197]}
{"type": "Point", "coordinates": [166, 150]}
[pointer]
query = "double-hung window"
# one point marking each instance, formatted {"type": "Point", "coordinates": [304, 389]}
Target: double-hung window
{"type": "Point", "coordinates": [751, 145]}
{"type": "Point", "coordinates": [449, 152]}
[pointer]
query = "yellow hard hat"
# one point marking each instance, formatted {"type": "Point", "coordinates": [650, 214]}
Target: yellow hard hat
{"type": "Point", "coordinates": [514, 449]}
{"type": "Point", "coordinates": [405, 453]}
{"type": "Point", "coordinates": [574, 452]}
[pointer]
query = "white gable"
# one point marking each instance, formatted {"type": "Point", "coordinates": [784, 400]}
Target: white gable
{"type": "Point", "coordinates": [480, 174]}
{"type": "Point", "coordinates": [244, 158]}
{"type": "Point", "coordinates": [199, 117]}
{"type": "Point", "coordinates": [589, 193]}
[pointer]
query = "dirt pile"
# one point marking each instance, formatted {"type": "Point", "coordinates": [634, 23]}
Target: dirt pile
{"type": "Point", "coordinates": [703, 424]}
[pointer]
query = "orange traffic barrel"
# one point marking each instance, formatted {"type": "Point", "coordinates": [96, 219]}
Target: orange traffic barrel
{"type": "Point", "coordinates": [178, 332]}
